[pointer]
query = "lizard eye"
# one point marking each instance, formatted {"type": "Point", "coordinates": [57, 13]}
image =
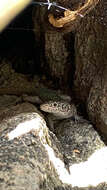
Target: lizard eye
{"type": "Point", "coordinates": [55, 104]}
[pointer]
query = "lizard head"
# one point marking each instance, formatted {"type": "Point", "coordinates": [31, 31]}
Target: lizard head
{"type": "Point", "coordinates": [59, 109]}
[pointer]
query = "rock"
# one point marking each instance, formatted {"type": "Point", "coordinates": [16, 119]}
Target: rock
{"type": "Point", "coordinates": [79, 140]}
{"type": "Point", "coordinates": [31, 157]}
{"type": "Point", "coordinates": [31, 99]}
{"type": "Point", "coordinates": [8, 100]}
{"type": "Point", "coordinates": [84, 152]}
{"type": "Point", "coordinates": [24, 162]}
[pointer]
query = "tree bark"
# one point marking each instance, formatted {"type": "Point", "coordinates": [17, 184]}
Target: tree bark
{"type": "Point", "coordinates": [90, 84]}
{"type": "Point", "coordinates": [55, 54]}
{"type": "Point", "coordinates": [56, 46]}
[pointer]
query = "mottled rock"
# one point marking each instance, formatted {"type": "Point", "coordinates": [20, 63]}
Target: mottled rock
{"type": "Point", "coordinates": [24, 162]}
{"type": "Point", "coordinates": [79, 139]}
{"type": "Point", "coordinates": [31, 157]}
{"type": "Point", "coordinates": [8, 100]}
{"type": "Point", "coordinates": [84, 153]}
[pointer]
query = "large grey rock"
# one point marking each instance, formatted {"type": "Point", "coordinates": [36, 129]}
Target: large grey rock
{"type": "Point", "coordinates": [31, 157]}
{"type": "Point", "coordinates": [24, 161]}
{"type": "Point", "coordinates": [84, 153]}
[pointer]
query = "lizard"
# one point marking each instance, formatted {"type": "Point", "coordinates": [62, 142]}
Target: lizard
{"type": "Point", "coordinates": [58, 110]}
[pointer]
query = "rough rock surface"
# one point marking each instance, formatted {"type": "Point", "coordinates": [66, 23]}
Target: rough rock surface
{"type": "Point", "coordinates": [24, 162]}
{"type": "Point", "coordinates": [31, 157]}
{"type": "Point", "coordinates": [79, 139]}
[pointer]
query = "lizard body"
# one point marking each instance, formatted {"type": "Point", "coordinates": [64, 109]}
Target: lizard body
{"type": "Point", "coordinates": [59, 110]}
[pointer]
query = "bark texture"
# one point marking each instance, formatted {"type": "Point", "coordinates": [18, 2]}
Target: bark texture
{"type": "Point", "coordinates": [91, 65]}
{"type": "Point", "coordinates": [56, 49]}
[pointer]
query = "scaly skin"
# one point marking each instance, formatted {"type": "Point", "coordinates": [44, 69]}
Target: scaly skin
{"type": "Point", "coordinates": [58, 110]}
